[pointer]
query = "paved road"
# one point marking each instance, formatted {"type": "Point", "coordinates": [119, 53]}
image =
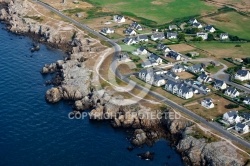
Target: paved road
{"type": "Point", "coordinates": [161, 98]}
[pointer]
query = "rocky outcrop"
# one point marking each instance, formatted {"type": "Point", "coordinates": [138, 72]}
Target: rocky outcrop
{"type": "Point", "coordinates": [53, 95]}
{"type": "Point", "coordinates": [198, 152]}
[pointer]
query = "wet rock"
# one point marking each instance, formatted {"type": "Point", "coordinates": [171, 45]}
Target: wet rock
{"type": "Point", "coordinates": [130, 148]}
{"type": "Point", "coordinates": [146, 156]}
{"type": "Point", "coordinates": [49, 68]}
{"type": "Point", "coordinates": [53, 95]}
{"type": "Point", "coordinates": [140, 137]}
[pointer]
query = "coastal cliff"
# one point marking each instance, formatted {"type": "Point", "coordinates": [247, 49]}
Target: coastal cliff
{"type": "Point", "coordinates": [72, 81]}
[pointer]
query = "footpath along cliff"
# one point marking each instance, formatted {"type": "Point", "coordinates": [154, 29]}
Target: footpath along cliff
{"type": "Point", "coordinates": [72, 82]}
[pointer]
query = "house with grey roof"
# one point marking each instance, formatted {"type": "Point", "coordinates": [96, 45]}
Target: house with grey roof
{"type": "Point", "coordinates": [149, 63]}
{"type": "Point", "coordinates": [177, 68]}
{"type": "Point", "coordinates": [197, 68]}
{"type": "Point", "coordinates": [172, 27]}
{"type": "Point", "coordinates": [173, 54]}
{"type": "Point", "coordinates": [219, 84]}
{"type": "Point", "coordinates": [179, 89]}
{"type": "Point", "coordinates": [163, 48]}
{"type": "Point", "coordinates": [172, 35]}
{"type": "Point", "coordinates": [204, 78]}
{"type": "Point", "coordinates": [210, 28]}
{"type": "Point", "coordinates": [232, 92]}
{"type": "Point", "coordinates": [157, 36]}
{"type": "Point", "coordinates": [152, 77]}
{"type": "Point", "coordinates": [231, 117]}
{"type": "Point", "coordinates": [130, 40]}
{"type": "Point", "coordinates": [197, 25]}
{"type": "Point", "coordinates": [193, 21]}
{"type": "Point", "coordinates": [142, 38]}
{"type": "Point", "coordinates": [106, 31]}
{"type": "Point", "coordinates": [136, 26]}
{"type": "Point", "coordinates": [129, 31]}
{"type": "Point", "coordinates": [156, 58]}
{"type": "Point", "coordinates": [140, 51]}
{"type": "Point", "coordinates": [246, 101]}
{"type": "Point", "coordinates": [242, 75]}
{"type": "Point", "coordinates": [241, 128]}
{"type": "Point", "coordinates": [207, 103]}
{"type": "Point", "coordinates": [172, 75]}
{"type": "Point", "coordinates": [119, 19]}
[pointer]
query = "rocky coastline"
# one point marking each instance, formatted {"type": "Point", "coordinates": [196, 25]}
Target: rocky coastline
{"type": "Point", "coordinates": [72, 82]}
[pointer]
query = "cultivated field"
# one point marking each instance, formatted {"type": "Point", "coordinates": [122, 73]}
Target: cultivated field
{"type": "Point", "coordinates": [181, 47]}
{"type": "Point", "coordinates": [160, 11]}
{"type": "Point", "coordinates": [232, 23]}
{"type": "Point", "coordinates": [222, 50]}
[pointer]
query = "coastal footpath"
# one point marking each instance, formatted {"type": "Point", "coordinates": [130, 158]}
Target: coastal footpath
{"type": "Point", "coordinates": [73, 81]}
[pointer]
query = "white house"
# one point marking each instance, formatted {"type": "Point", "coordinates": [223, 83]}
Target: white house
{"type": "Point", "coordinates": [220, 85]}
{"type": "Point", "coordinates": [172, 75]}
{"type": "Point", "coordinates": [119, 19]}
{"type": "Point", "coordinates": [142, 38]}
{"type": "Point", "coordinates": [156, 58]}
{"type": "Point", "coordinates": [172, 27]}
{"type": "Point", "coordinates": [197, 25]}
{"type": "Point", "coordinates": [207, 103]}
{"type": "Point", "coordinates": [136, 26]}
{"type": "Point", "coordinates": [241, 128]}
{"type": "Point", "coordinates": [232, 92]}
{"type": "Point", "coordinates": [152, 77]}
{"type": "Point", "coordinates": [203, 78]}
{"type": "Point", "coordinates": [175, 55]}
{"type": "Point", "coordinates": [106, 31]}
{"type": "Point", "coordinates": [232, 117]}
{"type": "Point", "coordinates": [172, 35]}
{"type": "Point", "coordinates": [197, 68]}
{"type": "Point", "coordinates": [210, 28]}
{"type": "Point", "coordinates": [157, 36]}
{"type": "Point", "coordinates": [246, 101]}
{"type": "Point", "coordinates": [130, 32]}
{"type": "Point", "coordinates": [177, 68]}
{"type": "Point", "coordinates": [130, 41]}
{"type": "Point", "coordinates": [192, 21]}
{"type": "Point", "coordinates": [158, 80]}
{"type": "Point", "coordinates": [140, 51]}
{"type": "Point", "coordinates": [223, 36]}
{"type": "Point", "coordinates": [163, 48]}
{"type": "Point", "coordinates": [179, 89]}
{"type": "Point", "coordinates": [202, 35]}
{"type": "Point", "coordinates": [242, 75]}
{"type": "Point", "coordinates": [146, 75]}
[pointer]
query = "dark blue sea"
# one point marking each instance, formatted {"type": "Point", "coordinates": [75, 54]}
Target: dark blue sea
{"type": "Point", "coordinates": [33, 132]}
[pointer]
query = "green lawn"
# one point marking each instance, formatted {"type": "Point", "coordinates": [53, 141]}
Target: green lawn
{"type": "Point", "coordinates": [160, 11]}
{"type": "Point", "coordinates": [128, 48]}
{"type": "Point", "coordinates": [232, 23]}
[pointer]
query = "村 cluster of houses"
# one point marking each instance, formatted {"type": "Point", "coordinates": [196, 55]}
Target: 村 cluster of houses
{"type": "Point", "coordinates": [240, 122]}
{"type": "Point", "coordinates": [187, 88]}
{"type": "Point", "coordinates": [206, 29]}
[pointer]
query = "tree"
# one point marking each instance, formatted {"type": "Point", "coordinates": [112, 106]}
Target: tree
{"type": "Point", "coordinates": [192, 31]}
{"type": "Point", "coordinates": [210, 37]}
{"type": "Point", "coordinates": [181, 37]}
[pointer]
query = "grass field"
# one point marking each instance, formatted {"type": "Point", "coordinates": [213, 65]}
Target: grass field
{"type": "Point", "coordinates": [222, 50]}
{"type": "Point", "coordinates": [160, 11]}
{"type": "Point", "coordinates": [232, 23]}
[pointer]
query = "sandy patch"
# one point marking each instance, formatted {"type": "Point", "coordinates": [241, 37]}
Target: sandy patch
{"type": "Point", "coordinates": [181, 47]}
